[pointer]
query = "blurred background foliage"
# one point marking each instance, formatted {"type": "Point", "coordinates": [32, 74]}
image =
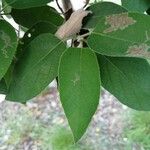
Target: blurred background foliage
{"type": "Point", "coordinates": [23, 127]}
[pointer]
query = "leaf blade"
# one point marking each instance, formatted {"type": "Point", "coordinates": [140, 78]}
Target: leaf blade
{"type": "Point", "coordinates": [136, 5]}
{"type": "Point", "coordinates": [79, 88]}
{"type": "Point", "coordinates": [8, 45]}
{"type": "Point", "coordinates": [3, 87]}
{"type": "Point", "coordinates": [37, 67]}
{"type": "Point", "coordinates": [128, 79]}
{"type": "Point", "coordinates": [31, 16]}
{"type": "Point", "coordinates": [100, 10]}
{"type": "Point", "coordinates": [116, 35]}
{"type": "Point", "coordinates": [19, 4]}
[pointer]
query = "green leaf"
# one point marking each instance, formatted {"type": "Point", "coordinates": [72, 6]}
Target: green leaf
{"type": "Point", "coordinates": [32, 33]}
{"type": "Point", "coordinates": [37, 29]}
{"type": "Point", "coordinates": [8, 45]}
{"type": "Point", "coordinates": [128, 79]}
{"type": "Point", "coordinates": [29, 17]}
{"type": "Point", "coordinates": [136, 5]}
{"type": "Point", "coordinates": [9, 74]}
{"type": "Point", "coordinates": [7, 8]}
{"type": "Point", "coordinates": [3, 87]}
{"type": "Point", "coordinates": [21, 4]}
{"type": "Point", "coordinates": [79, 81]}
{"type": "Point", "coordinates": [99, 10]}
{"type": "Point", "coordinates": [123, 34]}
{"type": "Point", "coordinates": [37, 67]}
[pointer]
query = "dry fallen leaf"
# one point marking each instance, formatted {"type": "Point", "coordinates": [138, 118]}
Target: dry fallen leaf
{"type": "Point", "coordinates": [73, 25]}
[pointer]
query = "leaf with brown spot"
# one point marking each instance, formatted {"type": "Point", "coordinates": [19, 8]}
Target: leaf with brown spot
{"type": "Point", "coordinates": [139, 50]}
{"type": "Point", "coordinates": [118, 21]}
{"type": "Point", "coordinates": [99, 10]}
{"type": "Point", "coordinates": [122, 35]}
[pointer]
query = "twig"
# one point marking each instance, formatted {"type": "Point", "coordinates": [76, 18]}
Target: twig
{"type": "Point", "coordinates": [84, 35]}
{"type": "Point", "coordinates": [67, 6]}
{"type": "Point", "coordinates": [86, 3]}
{"type": "Point", "coordinates": [59, 7]}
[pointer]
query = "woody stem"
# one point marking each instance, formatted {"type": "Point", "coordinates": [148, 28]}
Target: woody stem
{"type": "Point", "coordinates": [67, 7]}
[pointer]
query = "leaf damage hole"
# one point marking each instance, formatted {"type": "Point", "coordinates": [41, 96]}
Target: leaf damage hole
{"type": "Point", "coordinates": [118, 21]}
{"type": "Point", "coordinates": [29, 35]}
{"type": "Point", "coordinates": [7, 43]}
{"type": "Point", "coordinates": [139, 51]}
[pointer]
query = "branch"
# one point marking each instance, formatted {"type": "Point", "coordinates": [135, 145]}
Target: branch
{"type": "Point", "coordinates": [59, 7]}
{"type": "Point", "coordinates": [67, 6]}
{"type": "Point", "coordinates": [86, 3]}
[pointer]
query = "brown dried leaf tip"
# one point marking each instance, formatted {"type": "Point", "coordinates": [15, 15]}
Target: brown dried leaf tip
{"type": "Point", "coordinates": [118, 21]}
{"type": "Point", "coordinates": [139, 51]}
{"type": "Point", "coordinates": [73, 25]}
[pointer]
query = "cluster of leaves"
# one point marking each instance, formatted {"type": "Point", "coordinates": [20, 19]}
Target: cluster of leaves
{"type": "Point", "coordinates": [115, 55]}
